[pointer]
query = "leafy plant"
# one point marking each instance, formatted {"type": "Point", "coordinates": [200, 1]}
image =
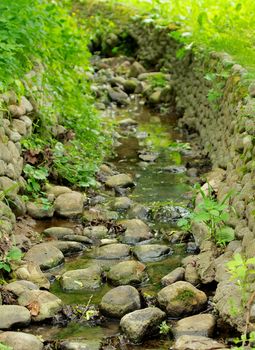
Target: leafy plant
{"type": "Point", "coordinates": [5, 347]}
{"type": "Point", "coordinates": [14, 254]}
{"type": "Point", "coordinates": [164, 328]}
{"type": "Point", "coordinates": [35, 178]}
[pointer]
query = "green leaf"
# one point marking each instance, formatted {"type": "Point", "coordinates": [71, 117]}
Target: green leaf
{"type": "Point", "coordinates": [14, 254]}
{"type": "Point", "coordinates": [225, 235]}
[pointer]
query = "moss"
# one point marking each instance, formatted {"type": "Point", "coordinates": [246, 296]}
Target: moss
{"type": "Point", "coordinates": [185, 296]}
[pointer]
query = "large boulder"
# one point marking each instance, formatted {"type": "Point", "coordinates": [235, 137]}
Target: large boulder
{"type": "Point", "coordinates": [82, 279]}
{"type": "Point", "coordinates": [202, 325]}
{"type": "Point", "coordinates": [69, 204]}
{"type": "Point", "coordinates": [45, 255]}
{"type": "Point", "coordinates": [151, 252]}
{"type": "Point", "coordinates": [181, 298]}
{"type": "Point", "coordinates": [112, 251]}
{"type": "Point", "coordinates": [140, 324]}
{"type": "Point", "coordinates": [136, 231]}
{"type": "Point", "coordinates": [127, 272]}
{"type": "Point", "coordinates": [21, 341]}
{"type": "Point", "coordinates": [13, 315]}
{"type": "Point", "coordinates": [42, 304]}
{"type": "Point", "coordinates": [120, 301]}
{"type": "Point", "coordinates": [120, 180]}
{"type": "Point", "coordinates": [194, 342]}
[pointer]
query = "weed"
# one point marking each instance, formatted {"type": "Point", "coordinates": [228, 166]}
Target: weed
{"type": "Point", "coordinates": [164, 328]}
{"type": "Point", "coordinates": [185, 296]}
{"type": "Point", "coordinates": [5, 347]}
{"type": "Point", "coordinates": [14, 254]}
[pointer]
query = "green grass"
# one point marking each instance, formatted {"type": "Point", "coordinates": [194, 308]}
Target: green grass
{"type": "Point", "coordinates": [222, 25]}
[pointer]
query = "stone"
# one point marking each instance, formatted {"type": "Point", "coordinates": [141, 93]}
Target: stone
{"type": "Point", "coordinates": [122, 203]}
{"type": "Point", "coordinates": [127, 122]}
{"type": "Point", "coordinates": [39, 210]}
{"type": "Point", "coordinates": [155, 97]}
{"type": "Point", "coordinates": [174, 276]}
{"type": "Point", "coordinates": [140, 324]}
{"type": "Point", "coordinates": [82, 279]}
{"type": "Point", "coordinates": [57, 190]}
{"type": "Point", "coordinates": [136, 69]}
{"type": "Point", "coordinates": [68, 247]}
{"type": "Point", "coordinates": [181, 298]}
{"type": "Point", "coordinates": [9, 186]}
{"type": "Point", "coordinates": [138, 211]}
{"type": "Point", "coordinates": [13, 315]}
{"type": "Point", "coordinates": [45, 303]}
{"type": "Point", "coordinates": [191, 274]}
{"type": "Point", "coordinates": [45, 255]}
{"type": "Point", "coordinates": [21, 341]}
{"type": "Point", "coordinates": [80, 345]}
{"type": "Point", "coordinates": [202, 325]}
{"type": "Point", "coordinates": [120, 180]}
{"type": "Point", "coordinates": [26, 104]}
{"type": "Point", "coordinates": [69, 204]}
{"type": "Point", "coordinates": [151, 252]}
{"type": "Point", "coordinates": [148, 157]}
{"type": "Point", "coordinates": [136, 231]}
{"type": "Point", "coordinates": [58, 232]}
{"type": "Point", "coordinates": [95, 232]}
{"type": "Point", "coordinates": [118, 96]}
{"type": "Point", "coordinates": [18, 287]}
{"type": "Point", "coordinates": [78, 238]}
{"type": "Point", "coordinates": [99, 213]}
{"type": "Point", "coordinates": [130, 85]}
{"type": "Point", "coordinates": [194, 342]}
{"type": "Point", "coordinates": [106, 241]}
{"type": "Point", "coordinates": [120, 301]}
{"type": "Point", "coordinates": [112, 251]}
{"type": "Point", "coordinates": [127, 272]}
{"type": "Point", "coordinates": [19, 126]}
{"type": "Point", "coordinates": [32, 272]}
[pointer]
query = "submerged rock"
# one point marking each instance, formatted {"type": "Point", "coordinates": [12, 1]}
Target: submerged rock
{"type": "Point", "coordinates": [45, 255]}
{"type": "Point", "coordinates": [13, 315]}
{"type": "Point", "coordinates": [151, 252]}
{"type": "Point", "coordinates": [82, 279]}
{"type": "Point", "coordinates": [181, 298]}
{"type": "Point", "coordinates": [21, 341]}
{"type": "Point", "coordinates": [127, 272]}
{"type": "Point", "coordinates": [136, 231]}
{"type": "Point", "coordinates": [120, 301]}
{"type": "Point", "coordinates": [140, 324]}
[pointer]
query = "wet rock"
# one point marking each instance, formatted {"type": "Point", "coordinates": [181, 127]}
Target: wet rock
{"type": "Point", "coordinates": [140, 324]}
{"type": "Point", "coordinates": [170, 214]}
{"type": "Point", "coordinates": [68, 247]}
{"type": "Point", "coordinates": [175, 169]}
{"type": "Point", "coordinates": [69, 204]}
{"type": "Point", "coordinates": [136, 231]}
{"type": "Point", "coordinates": [122, 203]}
{"type": "Point", "coordinates": [127, 122]}
{"type": "Point", "coordinates": [127, 272]}
{"type": "Point", "coordinates": [181, 298]}
{"type": "Point", "coordinates": [80, 345]}
{"type": "Point", "coordinates": [112, 251]}
{"type": "Point", "coordinates": [43, 304]}
{"type": "Point", "coordinates": [120, 180]}
{"type": "Point", "coordinates": [82, 279]}
{"type": "Point", "coordinates": [45, 255]}
{"type": "Point", "coordinates": [58, 232]}
{"type": "Point", "coordinates": [39, 211]}
{"type": "Point", "coordinates": [32, 272]}
{"type": "Point", "coordinates": [18, 287]}
{"type": "Point", "coordinates": [192, 248]}
{"type": "Point", "coordinates": [148, 157]}
{"type": "Point", "coordinates": [118, 96]}
{"type": "Point", "coordinates": [174, 276]}
{"type": "Point", "coordinates": [13, 315]}
{"type": "Point", "coordinates": [138, 211]}
{"type": "Point", "coordinates": [194, 342]}
{"type": "Point", "coordinates": [120, 301]}
{"type": "Point", "coordinates": [136, 69]}
{"type": "Point", "coordinates": [151, 252]}
{"type": "Point", "coordinates": [95, 232]}
{"type": "Point", "coordinates": [201, 325]}
{"type": "Point", "coordinates": [78, 238]}
{"type": "Point", "coordinates": [21, 341]}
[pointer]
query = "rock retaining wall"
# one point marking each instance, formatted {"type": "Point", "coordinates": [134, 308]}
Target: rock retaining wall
{"type": "Point", "coordinates": [215, 100]}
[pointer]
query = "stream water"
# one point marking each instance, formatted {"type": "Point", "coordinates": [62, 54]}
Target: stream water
{"type": "Point", "coordinates": [155, 187]}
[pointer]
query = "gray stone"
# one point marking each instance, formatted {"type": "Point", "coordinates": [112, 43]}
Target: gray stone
{"type": "Point", "coordinates": [21, 341]}
{"type": "Point", "coordinates": [127, 122]}
{"type": "Point", "coordinates": [13, 315]}
{"type": "Point", "coordinates": [82, 279]}
{"type": "Point", "coordinates": [95, 232]}
{"type": "Point", "coordinates": [120, 180]}
{"type": "Point", "coordinates": [45, 303]}
{"type": "Point", "coordinates": [80, 345]}
{"type": "Point", "coordinates": [25, 103]}
{"type": "Point", "coordinates": [57, 190]}
{"type": "Point", "coordinates": [181, 298]}
{"type": "Point", "coordinates": [19, 126]}
{"type": "Point", "coordinates": [136, 69]}
{"type": "Point", "coordinates": [122, 203]}
{"type": "Point", "coordinates": [69, 204]}
{"type": "Point", "coordinates": [138, 211]}
{"type": "Point", "coordinates": [118, 96]}
{"type": "Point", "coordinates": [140, 324]}
{"type": "Point", "coordinates": [130, 85]}
{"type": "Point", "coordinates": [202, 325]}
{"type": "Point", "coordinates": [78, 238]}
{"type": "Point", "coordinates": [174, 276]}
{"type": "Point", "coordinates": [32, 272]}
{"type": "Point", "coordinates": [68, 247]}
{"type": "Point", "coordinates": [191, 274]}
{"type": "Point", "coordinates": [136, 231]}
{"type": "Point", "coordinates": [120, 301]}
{"type": "Point", "coordinates": [18, 287]}
{"type": "Point", "coordinates": [127, 272]}
{"type": "Point", "coordinates": [45, 255]}
{"type": "Point", "coordinates": [58, 232]}
{"type": "Point", "coordinates": [194, 342]}
{"type": "Point", "coordinates": [151, 252]}
{"type": "Point", "coordinates": [112, 251]}
{"type": "Point", "coordinates": [39, 210]}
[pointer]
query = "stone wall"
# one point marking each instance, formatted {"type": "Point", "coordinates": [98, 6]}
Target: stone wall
{"type": "Point", "coordinates": [214, 98]}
